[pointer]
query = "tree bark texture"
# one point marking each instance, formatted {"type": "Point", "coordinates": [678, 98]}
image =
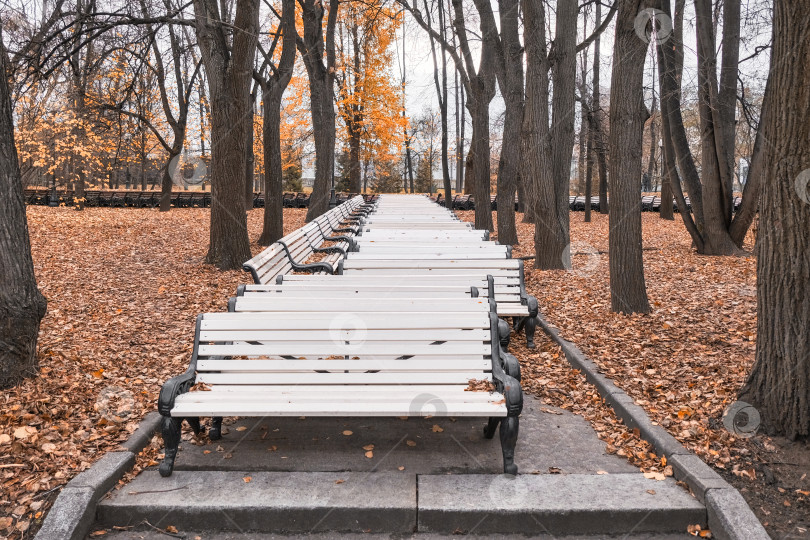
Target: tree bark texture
{"type": "Point", "coordinates": [22, 306]}
{"type": "Point", "coordinates": [510, 81]}
{"type": "Point", "coordinates": [229, 72]}
{"type": "Point", "coordinates": [321, 86]}
{"type": "Point", "coordinates": [552, 239]}
{"type": "Point", "coordinates": [628, 293]}
{"type": "Point", "coordinates": [535, 153]}
{"type": "Point", "coordinates": [779, 383]}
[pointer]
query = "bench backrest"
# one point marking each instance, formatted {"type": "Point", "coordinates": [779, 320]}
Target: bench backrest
{"type": "Point", "coordinates": [351, 348]}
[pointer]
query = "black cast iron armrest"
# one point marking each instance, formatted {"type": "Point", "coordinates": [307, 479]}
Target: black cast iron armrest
{"type": "Point", "coordinates": [310, 267]}
{"type": "Point", "coordinates": [181, 383]}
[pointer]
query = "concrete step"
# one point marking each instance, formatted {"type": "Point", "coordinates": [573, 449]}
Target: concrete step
{"type": "Point", "coordinates": [384, 502]}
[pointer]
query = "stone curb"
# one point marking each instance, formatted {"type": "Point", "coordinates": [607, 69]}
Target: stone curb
{"type": "Point", "coordinates": [729, 516]}
{"type": "Point", "coordinates": [74, 511]}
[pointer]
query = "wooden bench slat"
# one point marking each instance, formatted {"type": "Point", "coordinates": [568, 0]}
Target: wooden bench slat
{"type": "Point", "coordinates": [460, 377]}
{"type": "Point", "coordinates": [388, 365]}
{"type": "Point", "coordinates": [357, 347]}
{"type": "Point", "coordinates": [427, 334]}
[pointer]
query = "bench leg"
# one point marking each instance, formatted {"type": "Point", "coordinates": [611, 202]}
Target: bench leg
{"type": "Point", "coordinates": [531, 326]}
{"type": "Point", "coordinates": [491, 427]}
{"type": "Point", "coordinates": [171, 441]}
{"type": "Point", "coordinates": [194, 422]}
{"type": "Point", "coordinates": [509, 435]}
{"type": "Point", "coordinates": [215, 432]}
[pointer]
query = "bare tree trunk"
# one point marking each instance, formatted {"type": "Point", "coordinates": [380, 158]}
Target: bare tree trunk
{"type": "Point", "coordinates": [321, 86]}
{"type": "Point", "coordinates": [779, 383]}
{"type": "Point", "coordinates": [535, 148]}
{"type": "Point", "coordinates": [229, 75]}
{"type": "Point", "coordinates": [714, 172]}
{"type": "Point", "coordinates": [273, 225]}
{"type": "Point", "coordinates": [597, 131]}
{"type": "Point", "coordinates": [22, 306]}
{"type": "Point", "coordinates": [249, 157]}
{"type": "Point", "coordinates": [669, 173]}
{"type": "Point", "coordinates": [628, 292]}
{"type": "Point", "coordinates": [510, 79]}
{"type": "Point", "coordinates": [552, 239]}
{"type": "Point", "coordinates": [760, 157]}
{"type": "Point", "coordinates": [652, 162]}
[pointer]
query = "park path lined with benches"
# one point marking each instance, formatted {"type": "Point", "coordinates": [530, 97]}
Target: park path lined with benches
{"type": "Point", "coordinates": [355, 389]}
{"type": "Point", "coordinates": [323, 345]}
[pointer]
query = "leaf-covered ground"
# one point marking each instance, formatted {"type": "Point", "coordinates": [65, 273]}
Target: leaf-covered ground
{"type": "Point", "coordinates": [124, 287]}
{"type": "Point", "coordinates": [684, 362]}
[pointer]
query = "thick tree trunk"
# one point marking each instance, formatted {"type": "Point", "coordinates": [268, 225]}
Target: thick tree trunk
{"type": "Point", "coordinates": [272, 92]}
{"type": "Point", "coordinates": [22, 306]}
{"type": "Point", "coordinates": [323, 126]}
{"type": "Point", "coordinates": [779, 383]}
{"type": "Point", "coordinates": [321, 81]}
{"type": "Point", "coordinates": [273, 227]}
{"type": "Point", "coordinates": [510, 79]}
{"type": "Point", "coordinates": [552, 239]}
{"type": "Point", "coordinates": [536, 150]}
{"type": "Point", "coordinates": [628, 292]}
{"type": "Point", "coordinates": [714, 169]}
{"type": "Point", "coordinates": [479, 149]}
{"type": "Point", "coordinates": [229, 75]}
{"type": "Point", "coordinates": [249, 158]}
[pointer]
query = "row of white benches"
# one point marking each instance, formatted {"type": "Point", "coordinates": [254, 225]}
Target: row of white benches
{"type": "Point", "coordinates": [397, 335]}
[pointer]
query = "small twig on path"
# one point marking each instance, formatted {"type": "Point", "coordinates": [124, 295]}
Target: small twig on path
{"type": "Point", "coordinates": [46, 493]}
{"type": "Point", "coordinates": [156, 491]}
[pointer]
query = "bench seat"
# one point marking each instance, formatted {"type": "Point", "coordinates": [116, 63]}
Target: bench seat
{"type": "Point", "coordinates": [346, 363]}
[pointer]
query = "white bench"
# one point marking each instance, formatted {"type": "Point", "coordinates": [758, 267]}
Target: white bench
{"type": "Point", "coordinates": [291, 252]}
{"type": "Point", "coordinates": [345, 363]}
{"type": "Point", "coordinates": [524, 311]}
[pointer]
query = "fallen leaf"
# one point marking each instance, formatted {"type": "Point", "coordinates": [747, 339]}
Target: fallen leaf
{"type": "Point", "coordinates": [368, 447]}
{"type": "Point", "coordinates": [410, 442]}
{"type": "Point", "coordinates": [247, 479]}
{"type": "Point", "coordinates": [339, 481]}
{"type": "Point", "coordinates": [653, 475]}
{"type": "Point", "coordinates": [347, 432]}
{"type": "Point", "coordinates": [171, 529]}
{"type": "Point", "coordinates": [241, 428]}
{"type": "Point", "coordinates": [369, 454]}
{"type": "Point", "coordinates": [437, 429]}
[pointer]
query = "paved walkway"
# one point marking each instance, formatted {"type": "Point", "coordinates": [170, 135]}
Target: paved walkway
{"type": "Point", "coordinates": [433, 475]}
